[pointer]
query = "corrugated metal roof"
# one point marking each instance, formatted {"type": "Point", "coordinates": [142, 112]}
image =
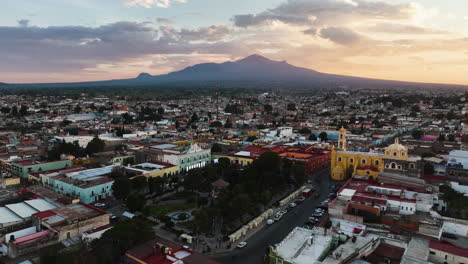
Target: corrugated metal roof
{"type": "Point", "coordinates": [40, 204]}
{"type": "Point", "coordinates": [7, 216]}
{"type": "Point", "coordinates": [22, 209]}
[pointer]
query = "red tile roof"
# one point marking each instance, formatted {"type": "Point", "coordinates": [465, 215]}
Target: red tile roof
{"type": "Point", "coordinates": [449, 248]}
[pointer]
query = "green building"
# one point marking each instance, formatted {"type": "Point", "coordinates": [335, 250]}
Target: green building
{"type": "Point", "coordinates": [23, 168]}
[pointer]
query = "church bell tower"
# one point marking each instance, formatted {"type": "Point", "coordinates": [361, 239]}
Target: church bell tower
{"type": "Point", "coordinates": [342, 139]}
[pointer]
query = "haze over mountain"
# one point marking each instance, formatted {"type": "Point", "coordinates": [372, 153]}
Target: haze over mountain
{"type": "Point", "coordinates": [253, 69]}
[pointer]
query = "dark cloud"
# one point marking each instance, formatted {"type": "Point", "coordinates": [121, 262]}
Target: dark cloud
{"type": "Point", "coordinates": [23, 22]}
{"type": "Point", "coordinates": [164, 21]}
{"type": "Point", "coordinates": [325, 12]}
{"type": "Point", "coordinates": [310, 31]}
{"type": "Point", "coordinates": [48, 49]}
{"type": "Point", "coordinates": [342, 36]}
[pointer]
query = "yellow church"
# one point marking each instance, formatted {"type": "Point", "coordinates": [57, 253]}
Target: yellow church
{"type": "Point", "coordinates": [345, 164]}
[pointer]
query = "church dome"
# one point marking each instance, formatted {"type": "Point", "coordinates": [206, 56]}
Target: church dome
{"type": "Point", "coordinates": [396, 146]}
{"type": "Point", "coordinates": [396, 150]}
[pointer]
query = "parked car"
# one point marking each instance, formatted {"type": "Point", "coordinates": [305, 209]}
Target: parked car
{"type": "Point", "coordinates": [277, 217]}
{"type": "Point", "coordinates": [241, 244]}
{"type": "Point", "coordinates": [270, 221]}
{"type": "Point", "coordinates": [283, 212]}
{"type": "Point", "coordinates": [292, 205]}
{"type": "Point", "coordinates": [99, 204]}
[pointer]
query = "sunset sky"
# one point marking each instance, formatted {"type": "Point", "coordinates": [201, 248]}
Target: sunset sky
{"type": "Point", "coordinates": [83, 40]}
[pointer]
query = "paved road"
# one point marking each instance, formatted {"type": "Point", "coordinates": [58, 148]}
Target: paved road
{"type": "Point", "coordinates": [257, 245]}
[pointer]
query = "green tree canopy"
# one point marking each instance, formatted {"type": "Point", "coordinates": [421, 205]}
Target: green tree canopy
{"type": "Point", "coordinates": [95, 145]}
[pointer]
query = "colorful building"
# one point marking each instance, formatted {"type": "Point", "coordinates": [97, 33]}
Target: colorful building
{"type": "Point", "coordinates": [23, 168]}
{"type": "Point", "coordinates": [395, 159]}
{"type": "Point", "coordinates": [89, 185]}
{"type": "Point", "coordinates": [155, 169]}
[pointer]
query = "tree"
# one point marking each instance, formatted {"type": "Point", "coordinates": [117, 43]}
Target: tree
{"type": "Point", "coordinates": [95, 145]}
{"type": "Point", "coordinates": [441, 137]}
{"type": "Point", "coordinates": [66, 122]}
{"type": "Point", "coordinates": [216, 148]}
{"type": "Point", "coordinates": [291, 107]}
{"type": "Point", "coordinates": [23, 110]}
{"type": "Point", "coordinates": [417, 134]}
{"type": "Point", "coordinates": [313, 137]}
{"type": "Point", "coordinates": [415, 108]}
{"type": "Point", "coordinates": [194, 118]}
{"type": "Point", "coordinates": [193, 180]}
{"type": "Point", "coordinates": [116, 173]}
{"type": "Point", "coordinates": [161, 111]}
{"type": "Point", "coordinates": [252, 138]}
{"type": "Point", "coordinates": [428, 168]}
{"type": "Point", "coordinates": [121, 188]}
{"type": "Point", "coordinates": [451, 137]}
{"type": "Point", "coordinates": [77, 109]}
{"type": "Point", "coordinates": [127, 118]}
{"type": "Point", "coordinates": [305, 130]}
{"type": "Point", "coordinates": [216, 124]}
{"type": "Point", "coordinates": [14, 110]}
{"type": "Point", "coordinates": [139, 183]}
{"type": "Point", "coordinates": [451, 115]}
{"type": "Point", "coordinates": [323, 136]}
{"type": "Point", "coordinates": [156, 184]}
{"type": "Point", "coordinates": [228, 124]}
{"type": "Point", "coordinates": [122, 237]}
{"type": "Point", "coordinates": [135, 202]}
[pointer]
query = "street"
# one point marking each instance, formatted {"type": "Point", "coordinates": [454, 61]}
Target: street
{"type": "Point", "coordinates": [257, 245]}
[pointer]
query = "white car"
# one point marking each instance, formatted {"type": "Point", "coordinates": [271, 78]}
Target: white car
{"type": "Point", "coordinates": [241, 244]}
{"type": "Point", "coordinates": [283, 212]}
{"type": "Point", "coordinates": [99, 204]}
{"type": "Point", "coordinates": [278, 217]}
{"type": "Point", "coordinates": [292, 205]}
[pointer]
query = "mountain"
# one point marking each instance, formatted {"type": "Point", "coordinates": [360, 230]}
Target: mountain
{"type": "Point", "coordinates": [254, 70]}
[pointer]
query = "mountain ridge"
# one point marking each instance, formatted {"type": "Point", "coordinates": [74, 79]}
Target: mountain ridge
{"type": "Point", "coordinates": [251, 69]}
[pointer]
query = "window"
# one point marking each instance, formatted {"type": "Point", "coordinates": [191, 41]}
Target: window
{"type": "Point", "coordinates": [340, 159]}
{"type": "Point", "coordinates": [363, 161]}
{"type": "Point", "coordinates": [411, 165]}
{"type": "Point", "coordinates": [376, 163]}
{"type": "Point", "coordinates": [351, 160]}
{"type": "Point", "coordinates": [395, 154]}
{"type": "Point", "coordinates": [393, 165]}
{"type": "Point", "coordinates": [399, 167]}
{"type": "Point", "coordinates": [432, 252]}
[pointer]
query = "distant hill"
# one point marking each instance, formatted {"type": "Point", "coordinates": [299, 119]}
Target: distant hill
{"type": "Point", "coordinates": [251, 70]}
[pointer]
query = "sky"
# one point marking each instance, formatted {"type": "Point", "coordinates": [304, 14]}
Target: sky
{"type": "Point", "coordinates": [86, 40]}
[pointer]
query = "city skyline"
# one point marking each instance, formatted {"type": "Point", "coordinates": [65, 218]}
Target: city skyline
{"type": "Point", "coordinates": [53, 41]}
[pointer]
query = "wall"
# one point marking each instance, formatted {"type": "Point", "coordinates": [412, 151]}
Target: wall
{"type": "Point", "coordinates": [437, 256]}
{"type": "Point", "coordinates": [77, 229]}
{"type": "Point", "coordinates": [459, 228]}
{"type": "Point", "coordinates": [23, 171]}
{"type": "Point", "coordinates": [87, 195]}
{"type": "Point", "coordinates": [164, 172]}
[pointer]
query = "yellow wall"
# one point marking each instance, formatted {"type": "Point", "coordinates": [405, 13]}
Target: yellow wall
{"type": "Point", "coordinates": [12, 181]}
{"type": "Point", "coordinates": [233, 159]}
{"type": "Point", "coordinates": [339, 169]}
{"type": "Point", "coordinates": [160, 173]}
